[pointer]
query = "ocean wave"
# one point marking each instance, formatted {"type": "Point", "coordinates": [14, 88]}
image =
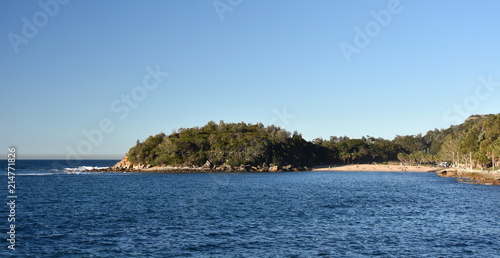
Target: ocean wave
{"type": "Point", "coordinates": [83, 169]}
{"type": "Point", "coordinates": [37, 174]}
{"type": "Point", "coordinates": [60, 173]}
{"type": "Point", "coordinates": [54, 170]}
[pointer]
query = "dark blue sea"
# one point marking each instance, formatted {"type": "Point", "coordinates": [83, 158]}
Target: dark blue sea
{"type": "Point", "coordinates": [293, 214]}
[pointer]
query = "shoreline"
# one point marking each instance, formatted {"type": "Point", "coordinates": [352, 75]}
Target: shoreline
{"type": "Point", "coordinates": [125, 167]}
{"type": "Point", "coordinates": [379, 168]}
{"type": "Point", "coordinates": [121, 167]}
{"type": "Point", "coordinates": [464, 176]}
{"type": "Point", "coordinates": [472, 177]}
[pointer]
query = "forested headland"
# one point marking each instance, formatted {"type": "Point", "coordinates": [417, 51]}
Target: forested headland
{"type": "Point", "coordinates": [474, 143]}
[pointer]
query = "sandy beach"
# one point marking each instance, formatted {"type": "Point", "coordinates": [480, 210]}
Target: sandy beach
{"type": "Point", "coordinates": [368, 167]}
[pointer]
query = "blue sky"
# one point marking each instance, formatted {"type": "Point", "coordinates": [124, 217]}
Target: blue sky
{"type": "Point", "coordinates": [275, 62]}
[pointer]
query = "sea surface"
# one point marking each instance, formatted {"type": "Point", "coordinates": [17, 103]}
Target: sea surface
{"type": "Point", "coordinates": [292, 214]}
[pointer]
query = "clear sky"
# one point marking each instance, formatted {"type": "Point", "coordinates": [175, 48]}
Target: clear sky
{"type": "Point", "coordinates": [88, 78]}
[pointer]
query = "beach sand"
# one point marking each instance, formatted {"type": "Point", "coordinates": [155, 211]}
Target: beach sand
{"type": "Point", "coordinates": [368, 167]}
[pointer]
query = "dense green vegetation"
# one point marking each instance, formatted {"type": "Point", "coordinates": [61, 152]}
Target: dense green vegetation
{"type": "Point", "coordinates": [225, 143]}
{"type": "Point", "coordinates": [476, 140]}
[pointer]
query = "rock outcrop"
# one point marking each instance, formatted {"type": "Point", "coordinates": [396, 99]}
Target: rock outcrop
{"type": "Point", "coordinates": [125, 166]}
{"type": "Point", "coordinates": [473, 177]}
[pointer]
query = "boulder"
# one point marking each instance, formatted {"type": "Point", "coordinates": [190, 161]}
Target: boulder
{"type": "Point", "coordinates": [207, 164]}
{"type": "Point", "coordinates": [274, 169]}
{"type": "Point", "coordinates": [225, 168]}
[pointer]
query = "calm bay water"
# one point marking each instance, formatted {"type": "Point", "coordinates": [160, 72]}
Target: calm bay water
{"type": "Point", "coordinates": [301, 214]}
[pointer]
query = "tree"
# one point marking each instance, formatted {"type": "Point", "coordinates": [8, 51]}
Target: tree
{"type": "Point", "coordinates": [255, 144]}
{"type": "Point", "coordinates": [470, 143]}
{"type": "Point", "coordinates": [482, 159]}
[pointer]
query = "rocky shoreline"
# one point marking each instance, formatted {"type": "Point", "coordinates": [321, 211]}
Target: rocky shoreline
{"type": "Point", "coordinates": [125, 166]}
{"type": "Point", "coordinates": [473, 177]}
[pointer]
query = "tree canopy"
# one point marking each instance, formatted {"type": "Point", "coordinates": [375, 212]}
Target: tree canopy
{"type": "Point", "coordinates": [234, 144]}
{"type": "Point", "coordinates": [225, 143]}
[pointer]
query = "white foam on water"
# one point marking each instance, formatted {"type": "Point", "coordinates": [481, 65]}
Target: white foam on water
{"type": "Point", "coordinates": [38, 174]}
{"type": "Point", "coordinates": [83, 169]}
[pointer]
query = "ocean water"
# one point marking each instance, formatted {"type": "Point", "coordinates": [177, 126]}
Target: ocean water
{"type": "Point", "coordinates": [293, 214]}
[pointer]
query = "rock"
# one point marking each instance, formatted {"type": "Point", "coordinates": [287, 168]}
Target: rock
{"type": "Point", "coordinates": [274, 169]}
{"type": "Point", "coordinates": [123, 164]}
{"type": "Point", "coordinates": [245, 168]}
{"type": "Point", "coordinates": [207, 164]}
{"type": "Point", "coordinates": [225, 168]}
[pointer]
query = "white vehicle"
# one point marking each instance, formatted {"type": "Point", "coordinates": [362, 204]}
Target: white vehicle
{"type": "Point", "coordinates": [444, 164]}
